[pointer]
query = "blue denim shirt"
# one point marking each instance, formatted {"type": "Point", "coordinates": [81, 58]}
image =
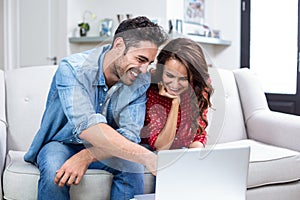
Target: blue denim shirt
{"type": "Point", "coordinates": [78, 98]}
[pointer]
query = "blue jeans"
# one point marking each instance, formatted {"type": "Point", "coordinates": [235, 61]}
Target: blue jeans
{"type": "Point", "coordinates": [53, 155]}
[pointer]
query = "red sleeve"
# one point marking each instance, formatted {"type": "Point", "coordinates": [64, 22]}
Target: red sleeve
{"type": "Point", "coordinates": [201, 137]}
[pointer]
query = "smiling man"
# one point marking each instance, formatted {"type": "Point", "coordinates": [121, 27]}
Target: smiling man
{"type": "Point", "coordinates": [94, 112]}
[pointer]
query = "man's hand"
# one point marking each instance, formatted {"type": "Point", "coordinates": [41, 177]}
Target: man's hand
{"type": "Point", "coordinates": [73, 169]}
{"type": "Point", "coordinates": [151, 163]}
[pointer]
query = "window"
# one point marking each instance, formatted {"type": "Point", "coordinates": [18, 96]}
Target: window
{"type": "Point", "coordinates": [274, 44]}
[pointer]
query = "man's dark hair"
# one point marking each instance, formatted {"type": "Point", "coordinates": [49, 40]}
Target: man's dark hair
{"type": "Point", "coordinates": [140, 29]}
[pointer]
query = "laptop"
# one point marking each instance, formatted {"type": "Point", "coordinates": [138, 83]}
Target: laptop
{"type": "Point", "coordinates": [218, 173]}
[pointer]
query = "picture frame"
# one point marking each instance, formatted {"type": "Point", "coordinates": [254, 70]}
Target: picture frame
{"type": "Point", "coordinates": [194, 11]}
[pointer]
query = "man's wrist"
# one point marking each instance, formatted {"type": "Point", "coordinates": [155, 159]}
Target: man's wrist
{"type": "Point", "coordinates": [89, 155]}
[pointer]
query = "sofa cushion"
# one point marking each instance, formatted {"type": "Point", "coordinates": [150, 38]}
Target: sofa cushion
{"type": "Point", "coordinates": [285, 191]}
{"type": "Point", "coordinates": [250, 86]}
{"type": "Point", "coordinates": [26, 99]}
{"type": "Point", "coordinates": [268, 163]}
{"type": "Point", "coordinates": [23, 177]}
{"type": "Point", "coordinates": [226, 121]}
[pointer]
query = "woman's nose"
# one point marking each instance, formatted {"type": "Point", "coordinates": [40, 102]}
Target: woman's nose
{"type": "Point", "coordinates": [175, 83]}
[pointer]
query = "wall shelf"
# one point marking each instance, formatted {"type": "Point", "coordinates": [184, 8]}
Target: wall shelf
{"type": "Point", "coordinates": [92, 39]}
{"type": "Point", "coordinates": [197, 38]}
{"type": "Point", "coordinates": [209, 40]}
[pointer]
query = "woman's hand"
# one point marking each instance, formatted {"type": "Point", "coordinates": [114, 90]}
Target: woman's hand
{"type": "Point", "coordinates": [163, 92]}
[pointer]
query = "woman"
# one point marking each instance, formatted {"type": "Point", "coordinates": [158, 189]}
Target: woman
{"type": "Point", "coordinates": [178, 98]}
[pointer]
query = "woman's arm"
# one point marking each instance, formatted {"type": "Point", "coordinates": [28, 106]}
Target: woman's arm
{"type": "Point", "coordinates": [166, 136]}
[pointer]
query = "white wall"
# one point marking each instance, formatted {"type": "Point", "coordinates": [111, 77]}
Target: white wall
{"type": "Point", "coordinates": [154, 9]}
{"type": "Point", "coordinates": [2, 35]}
{"type": "Point", "coordinates": [219, 14]}
{"type": "Point", "coordinates": [226, 16]}
{"type": "Point", "coordinates": [109, 9]}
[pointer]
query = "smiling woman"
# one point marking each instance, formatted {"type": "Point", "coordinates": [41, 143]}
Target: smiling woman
{"type": "Point", "coordinates": [178, 98]}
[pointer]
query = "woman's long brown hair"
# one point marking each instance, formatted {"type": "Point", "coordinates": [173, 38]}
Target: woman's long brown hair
{"type": "Point", "coordinates": [190, 54]}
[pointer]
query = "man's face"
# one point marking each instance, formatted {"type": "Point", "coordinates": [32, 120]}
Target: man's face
{"type": "Point", "coordinates": [135, 61]}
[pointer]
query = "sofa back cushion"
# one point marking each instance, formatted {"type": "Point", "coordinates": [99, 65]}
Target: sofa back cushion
{"type": "Point", "coordinates": [226, 122]}
{"type": "Point", "coordinates": [26, 90]}
{"type": "Point", "coordinates": [252, 96]}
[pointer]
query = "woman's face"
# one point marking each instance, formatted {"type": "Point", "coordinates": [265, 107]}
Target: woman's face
{"type": "Point", "coordinates": [175, 77]}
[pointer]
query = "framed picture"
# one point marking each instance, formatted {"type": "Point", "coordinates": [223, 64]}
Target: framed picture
{"type": "Point", "coordinates": [194, 11]}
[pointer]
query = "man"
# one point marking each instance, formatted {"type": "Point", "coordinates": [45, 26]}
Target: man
{"type": "Point", "coordinates": [94, 112]}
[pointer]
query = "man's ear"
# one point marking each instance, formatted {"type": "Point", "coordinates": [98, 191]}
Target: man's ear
{"type": "Point", "coordinates": [119, 43]}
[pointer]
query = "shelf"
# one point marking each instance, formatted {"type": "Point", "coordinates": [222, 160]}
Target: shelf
{"type": "Point", "coordinates": [204, 40]}
{"type": "Point", "coordinates": [209, 40]}
{"type": "Point", "coordinates": [197, 38]}
{"type": "Point", "coordinates": [94, 39]}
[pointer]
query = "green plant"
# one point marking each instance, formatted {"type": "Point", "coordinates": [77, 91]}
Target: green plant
{"type": "Point", "coordinates": [85, 26]}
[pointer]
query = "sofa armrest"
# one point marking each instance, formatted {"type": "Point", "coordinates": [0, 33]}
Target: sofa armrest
{"type": "Point", "coordinates": [3, 150]}
{"type": "Point", "coordinates": [275, 128]}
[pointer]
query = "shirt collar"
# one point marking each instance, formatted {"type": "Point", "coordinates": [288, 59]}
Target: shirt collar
{"type": "Point", "coordinates": [101, 78]}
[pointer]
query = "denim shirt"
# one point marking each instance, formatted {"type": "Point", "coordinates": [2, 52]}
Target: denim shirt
{"type": "Point", "coordinates": [79, 98]}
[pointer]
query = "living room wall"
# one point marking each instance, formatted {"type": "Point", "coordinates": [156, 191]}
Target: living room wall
{"type": "Point", "coordinates": [219, 14]}
{"type": "Point", "coordinates": [1, 36]}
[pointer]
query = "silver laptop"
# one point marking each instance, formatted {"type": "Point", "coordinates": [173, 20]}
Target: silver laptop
{"type": "Point", "coordinates": [192, 174]}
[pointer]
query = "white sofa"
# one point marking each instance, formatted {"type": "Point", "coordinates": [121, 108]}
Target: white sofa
{"type": "Point", "coordinates": [240, 116]}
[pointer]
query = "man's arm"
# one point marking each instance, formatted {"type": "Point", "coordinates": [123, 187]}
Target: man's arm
{"type": "Point", "coordinates": [111, 143]}
{"type": "Point", "coordinates": [79, 108]}
{"type": "Point", "coordinates": [106, 142]}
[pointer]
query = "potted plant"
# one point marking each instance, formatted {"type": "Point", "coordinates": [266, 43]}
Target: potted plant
{"type": "Point", "coordinates": [84, 28]}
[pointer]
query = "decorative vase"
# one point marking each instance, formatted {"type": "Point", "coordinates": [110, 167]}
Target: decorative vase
{"type": "Point", "coordinates": [83, 32]}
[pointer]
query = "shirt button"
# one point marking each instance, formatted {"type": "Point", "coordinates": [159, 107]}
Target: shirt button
{"type": "Point", "coordinates": [105, 89]}
{"type": "Point", "coordinates": [176, 138]}
{"type": "Point", "coordinates": [100, 104]}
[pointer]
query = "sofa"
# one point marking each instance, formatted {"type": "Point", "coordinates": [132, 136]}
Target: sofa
{"type": "Point", "coordinates": [239, 116]}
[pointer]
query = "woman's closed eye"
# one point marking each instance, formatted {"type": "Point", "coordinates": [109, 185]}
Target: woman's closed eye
{"type": "Point", "coordinates": [170, 75]}
{"type": "Point", "coordinates": [183, 78]}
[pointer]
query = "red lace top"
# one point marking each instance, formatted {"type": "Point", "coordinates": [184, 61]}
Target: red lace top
{"type": "Point", "coordinates": [157, 110]}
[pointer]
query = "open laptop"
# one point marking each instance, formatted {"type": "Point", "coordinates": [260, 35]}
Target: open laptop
{"type": "Point", "coordinates": [192, 174]}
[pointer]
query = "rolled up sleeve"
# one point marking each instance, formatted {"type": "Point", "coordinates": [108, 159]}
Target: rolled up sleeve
{"type": "Point", "coordinates": [76, 98]}
{"type": "Point", "coordinates": [130, 119]}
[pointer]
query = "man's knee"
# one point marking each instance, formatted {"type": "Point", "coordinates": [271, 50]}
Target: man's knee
{"type": "Point", "coordinates": [52, 156]}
